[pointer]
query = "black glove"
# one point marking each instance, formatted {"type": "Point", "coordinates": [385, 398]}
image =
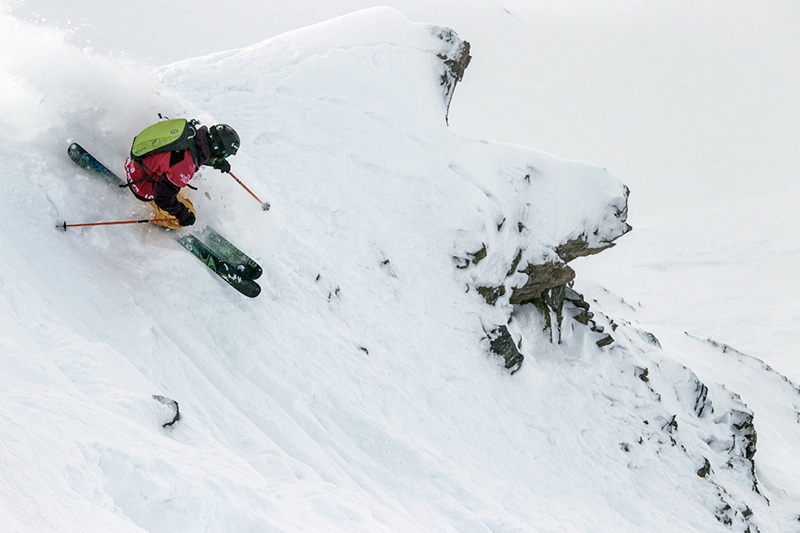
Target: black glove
{"type": "Point", "coordinates": [222, 165]}
{"type": "Point", "coordinates": [188, 221]}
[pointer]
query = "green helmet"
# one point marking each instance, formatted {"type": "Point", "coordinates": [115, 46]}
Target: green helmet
{"type": "Point", "coordinates": [224, 140]}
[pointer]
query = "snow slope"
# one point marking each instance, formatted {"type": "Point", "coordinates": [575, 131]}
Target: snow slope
{"type": "Point", "coordinates": [356, 392]}
{"type": "Point", "coordinates": [693, 104]}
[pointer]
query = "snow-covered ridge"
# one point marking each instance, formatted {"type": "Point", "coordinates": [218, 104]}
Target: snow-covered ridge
{"type": "Point", "coordinates": [356, 393]}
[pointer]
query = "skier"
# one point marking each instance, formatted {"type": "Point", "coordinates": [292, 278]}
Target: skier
{"type": "Point", "coordinates": [159, 177]}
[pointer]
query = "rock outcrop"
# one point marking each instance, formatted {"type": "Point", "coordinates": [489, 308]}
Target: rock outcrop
{"type": "Point", "coordinates": [538, 274]}
{"type": "Point", "coordinates": [455, 60]}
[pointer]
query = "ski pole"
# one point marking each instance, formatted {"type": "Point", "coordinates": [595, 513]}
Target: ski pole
{"type": "Point", "coordinates": [264, 205]}
{"type": "Point", "coordinates": [64, 226]}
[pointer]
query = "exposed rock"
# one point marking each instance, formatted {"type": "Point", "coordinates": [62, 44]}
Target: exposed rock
{"type": "Point", "coordinates": [555, 301]}
{"type": "Point", "coordinates": [605, 340]}
{"type": "Point", "coordinates": [745, 438]}
{"type": "Point", "coordinates": [514, 264]}
{"type": "Point", "coordinates": [580, 248]}
{"type": "Point", "coordinates": [735, 518]}
{"type": "Point", "coordinates": [456, 59]}
{"type": "Point", "coordinates": [491, 294]}
{"type": "Point", "coordinates": [502, 344]}
{"type": "Point", "coordinates": [705, 469]}
{"type": "Point", "coordinates": [173, 405]}
{"type": "Point", "coordinates": [701, 402]}
{"type": "Point", "coordinates": [576, 299]}
{"type": "Point", "coordinates": [478, 256]}
{"type": "Point", "coordinates": [584, 316]}
{"type": "Point", "coordinates": [541, 278]}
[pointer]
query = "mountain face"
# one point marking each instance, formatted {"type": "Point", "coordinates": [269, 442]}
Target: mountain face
{"type": "Point", "coordinates": [362, 390]}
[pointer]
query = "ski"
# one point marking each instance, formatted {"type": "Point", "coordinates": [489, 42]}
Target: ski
{"type": "Point", "coordinates": [223, 258]}
{"type": "Point", "coordinates": [222, 268]}
{"type": "Point", "coordinates": [87, 161]}
{"type": "Point", "coordinates": [245, 265]}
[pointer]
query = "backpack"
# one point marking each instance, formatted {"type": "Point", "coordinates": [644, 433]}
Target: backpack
{"type": "Point", "coordinates": [165, 136]}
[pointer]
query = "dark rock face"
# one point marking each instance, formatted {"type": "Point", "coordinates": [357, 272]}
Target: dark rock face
{"type": "Point", "coordinates": [491, 294]}
{"type": "Point", "coordinates": [502, 344]}
{"type": "Point", "coordinates": [541, 279]}
{"type": "Point", "coordinates": [455, 58]}
{"type": "Point", "coordinates": [744, 438]}
{"type": "Point", "coordinates": [173, 406]}
{"type": "Point", "coordinates": [579, 248]}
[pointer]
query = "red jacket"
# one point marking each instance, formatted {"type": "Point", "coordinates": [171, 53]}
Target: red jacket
{"type": "Point", "coordinates": [178, 169]}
